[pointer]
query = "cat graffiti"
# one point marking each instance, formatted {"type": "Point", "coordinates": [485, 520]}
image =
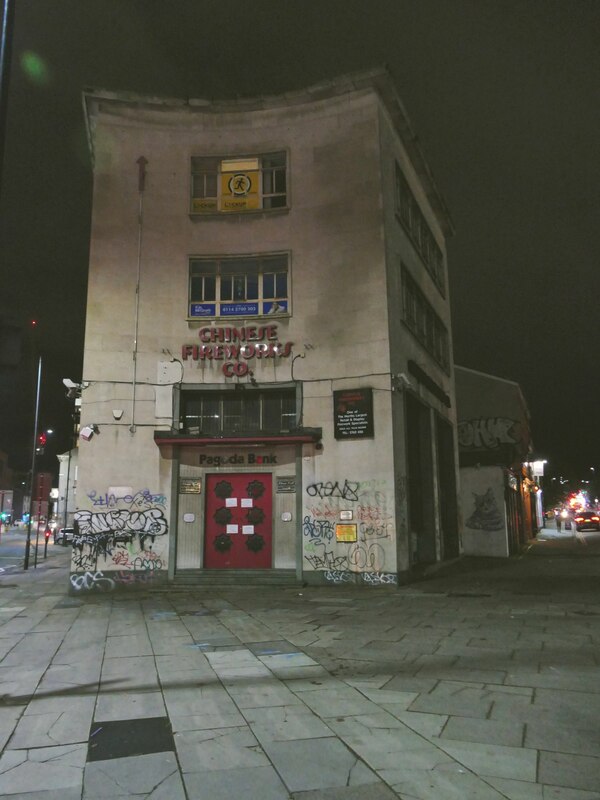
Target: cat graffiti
{"type": "Point", "coordinates": [486, 515]}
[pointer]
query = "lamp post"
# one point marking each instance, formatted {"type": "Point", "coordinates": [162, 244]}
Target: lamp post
{"type": "Point", "coordinates": [33, 459]}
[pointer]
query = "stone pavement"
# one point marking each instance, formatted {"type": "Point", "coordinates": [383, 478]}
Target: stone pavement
{"type": "Point", "coordinates": [481, 682]}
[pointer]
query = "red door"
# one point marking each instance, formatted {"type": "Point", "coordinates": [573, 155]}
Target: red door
{"type": "Point", "coordinates": [238, 529]}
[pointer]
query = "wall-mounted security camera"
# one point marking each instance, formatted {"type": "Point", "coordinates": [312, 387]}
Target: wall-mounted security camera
{"type": "Point", "coordinates": [70, 384]}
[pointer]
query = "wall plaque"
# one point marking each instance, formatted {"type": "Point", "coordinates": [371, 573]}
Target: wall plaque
{"type": "Point", "coordinates": [285, 484]}
{"type": "Point", "coordinates": [353, 414]}
{"type": "Point", "coordinates": [190, 486]}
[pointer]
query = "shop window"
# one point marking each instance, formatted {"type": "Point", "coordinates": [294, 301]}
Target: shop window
{"type": "Point", "coordinates": [414, 223]}
{"type": "Point", "coordinates": [424, 323]}
{"type": "Point", "coordinates": [239, 287]}
{"type": "Point", "coordinates": [225, 185]}
{"type": "Point", "coordinates": [217, 413]}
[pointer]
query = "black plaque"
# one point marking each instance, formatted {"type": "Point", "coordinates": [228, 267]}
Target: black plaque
{"type": "Point", "coordinates": [285, 484]}
{"type": "Point", "coordinates": [353, 414]}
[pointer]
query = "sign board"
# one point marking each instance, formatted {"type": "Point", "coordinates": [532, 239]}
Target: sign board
{"type": "Point", "coordinates": [346, 533]}
{"type": "Point", "coordinates": [285, 484]}
{"type": "Point", "coordinates": [353, 414]}
{"type": "Point", "coordinates": [190, 486]}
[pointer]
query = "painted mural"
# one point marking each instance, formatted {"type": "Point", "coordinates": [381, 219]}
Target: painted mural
{"type": "Point", "coordinates": [120, 540]}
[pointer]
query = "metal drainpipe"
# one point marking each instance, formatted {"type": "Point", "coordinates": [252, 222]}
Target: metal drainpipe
{"type": "Point", "coordinates": [141, 162]}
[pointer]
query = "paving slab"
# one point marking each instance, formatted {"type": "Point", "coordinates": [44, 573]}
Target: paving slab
{"type": "Point", "coordinates": [255, 782]}
{"type": "Point", "coordinates": [154, 776]}
{"type": "Point", "coordinates": [50, 767]}
{"type": "Point", "coordinates": [318, 764]}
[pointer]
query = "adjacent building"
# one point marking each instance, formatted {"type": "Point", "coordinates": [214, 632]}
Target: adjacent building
{"type": "Point", "coordinates": [499, 495]}
{"type": "Point", "coordinates": [268, 388]}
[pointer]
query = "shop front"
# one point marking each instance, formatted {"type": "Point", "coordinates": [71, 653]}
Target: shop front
{"type": "Point", "coordinates": [236, 505]}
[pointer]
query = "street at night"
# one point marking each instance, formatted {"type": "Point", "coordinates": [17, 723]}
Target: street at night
{"type": "Point", "coordinates": [299, 439]}
{"type": "Point", "coordinates": [479, 681]}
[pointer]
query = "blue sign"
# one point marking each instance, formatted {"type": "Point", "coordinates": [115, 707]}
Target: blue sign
{"type": "Point", "coordinates": [275, 307]}
{"type": "Point", "coordinates": [238, 309]}
{"type": "Point", "coordinates": [202, 310]}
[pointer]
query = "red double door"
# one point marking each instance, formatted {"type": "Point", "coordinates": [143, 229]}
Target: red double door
{"type": "Point", "coordinates": [238, 523]}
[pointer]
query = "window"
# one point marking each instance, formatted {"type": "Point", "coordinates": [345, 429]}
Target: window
{"type": "Point", "coordinates": [250, 183]}
{"type": "Point", "coordinates": [241, 286]}
{"type": "Point", "coordinates": [216, 413]}
{"type": "Point", "coordinates": [422, 320]}
{"type": "Point", "coordinates": [413, 221]}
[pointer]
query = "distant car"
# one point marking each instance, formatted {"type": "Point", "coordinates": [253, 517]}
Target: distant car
{"type": "Point", "coordinates": [587, 520]}
{"type": "Point", "coordinates": [63, 536]}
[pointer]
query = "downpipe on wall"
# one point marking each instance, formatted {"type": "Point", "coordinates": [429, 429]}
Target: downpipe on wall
{"type": "Point", "coordinates": [141, 162]}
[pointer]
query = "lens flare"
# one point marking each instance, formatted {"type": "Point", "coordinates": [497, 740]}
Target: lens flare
{"type": "Point", "coordinates": [35, 68]}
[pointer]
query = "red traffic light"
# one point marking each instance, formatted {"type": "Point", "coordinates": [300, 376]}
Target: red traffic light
{"type": "Point", "coordinates": [47, 533]}
{"type": "Point", "coordinates": [42, 439]}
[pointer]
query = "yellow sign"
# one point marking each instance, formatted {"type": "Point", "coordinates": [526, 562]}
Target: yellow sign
{"type": "Point", "coordinates": [204, 204]}
{"type": "Point", "coordinates": [345, 533]}
{"type": "Point", "coordinates": [239, 190]}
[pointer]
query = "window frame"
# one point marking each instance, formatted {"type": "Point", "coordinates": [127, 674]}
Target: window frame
{"type": "Point", "coordinates": [276, 200]}
{"type": "Point", "coordinates": [412, 219]}
{"type": "Point", "coordinates": [285, 395]}
{"type": "Point", "coordinates": [423, 322]}
{"type": "Point", "coordinates": [275, 305]}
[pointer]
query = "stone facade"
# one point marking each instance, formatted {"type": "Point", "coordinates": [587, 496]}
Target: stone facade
{"type": "Point", "coordinates": [350, 488]}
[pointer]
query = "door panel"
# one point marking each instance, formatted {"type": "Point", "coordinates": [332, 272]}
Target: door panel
{"type": "Point", "coordinates": [238, 524]}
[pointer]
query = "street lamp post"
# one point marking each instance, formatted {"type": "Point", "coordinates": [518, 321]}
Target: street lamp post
{"type": "Point", "coordinates": [33, 459]}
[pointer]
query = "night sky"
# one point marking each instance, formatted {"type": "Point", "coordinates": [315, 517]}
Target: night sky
{"type": "Point", "coordinates": [503, 95]}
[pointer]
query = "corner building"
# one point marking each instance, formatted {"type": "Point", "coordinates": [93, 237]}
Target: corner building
{"type": "Point", "coordinates": [267, 390]}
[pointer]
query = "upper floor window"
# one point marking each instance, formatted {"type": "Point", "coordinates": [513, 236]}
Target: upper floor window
{"type": "Point", "coordinates": [238, 184]}
{"type": "Point", "coordinates": [214, 413]}
{"type": "Point", "coordinates": [422, 320]}
{"type": "Point", "coordinates": [415, 224]}
{"type": "Point", "coordinates": [239, 286]}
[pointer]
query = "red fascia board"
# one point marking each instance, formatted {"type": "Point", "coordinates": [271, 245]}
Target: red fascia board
{"type": "Point", "coordinates": [199, 441]}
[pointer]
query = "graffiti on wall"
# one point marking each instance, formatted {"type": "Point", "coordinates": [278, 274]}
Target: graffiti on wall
{"type": "Point", "coordinates": [98, 581]}
{"type": "Point", "coordinates": [122, 537]}
{"type": "Point", "coordinates": [486, 515]}
{"type": "Point", "coordinates": [488, 433]}
{"type": "Point", "coordinates": [368, 502]}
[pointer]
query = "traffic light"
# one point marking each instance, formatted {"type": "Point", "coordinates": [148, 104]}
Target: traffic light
{"type": "Point", "coordinates": [41, 442]}
{"type": "Point", "coordinates": [47, 533]}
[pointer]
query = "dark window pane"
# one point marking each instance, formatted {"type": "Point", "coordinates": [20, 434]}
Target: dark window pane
{"type": "Point", "coordinates": [211, 185]}
{"type": "Point", "coordinates": [273, 160]}
{"type": "Point", "coordinates": [232, 414]}
{"type": "Point", "coordinates": [281, 283]}
{"type": "Point", "coordinates": [196, 289]}
{"type": "Point", "coordinates": [277, 263]}
{"type": "Point", "coordinates": [201, 267]}
{"type": "Point", "coordinates": [210, 288]}
{"type": "Point", "coordinates": [268, 285]}
{"type": "Point", "coordinates": [280, 181]}
{"type": "Point", "coordinates": [211, 415]}
{"type": "Point", "coordinates": [225, 288]}
{"type": "Point", "coordinates": [252, 287]}
{"type": "Point", "coordinates": [239, 287]}
{"type": "Point", "coordinates": [230, 266]}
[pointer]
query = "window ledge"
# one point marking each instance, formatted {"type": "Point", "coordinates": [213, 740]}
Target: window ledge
{"type": "Point", "coordinates": [198, 322]}
{"type": "Point", "coordinates": [237, 215]}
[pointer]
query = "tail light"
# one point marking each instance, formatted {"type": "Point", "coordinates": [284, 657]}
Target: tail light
{"type": "Point", "coordinates": [578, 519]}
{"type": "Point", "coordinates": [596, 519]}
